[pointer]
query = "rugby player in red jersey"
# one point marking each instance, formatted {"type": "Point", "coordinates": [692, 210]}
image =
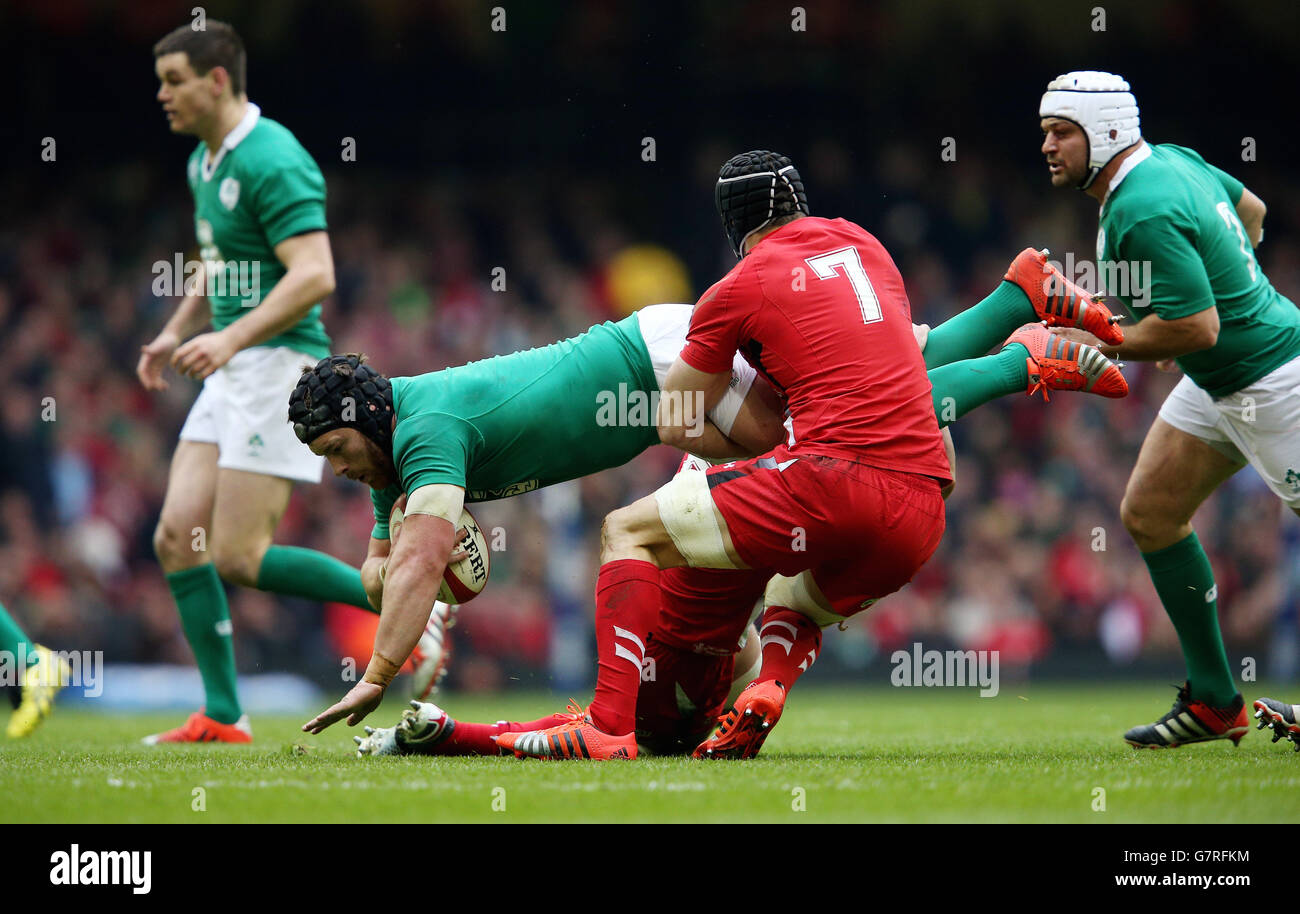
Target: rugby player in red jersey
{"type": "Point", "coordinates": [847, 513]}
{"type": "Point", "coordinates": [700, 646]}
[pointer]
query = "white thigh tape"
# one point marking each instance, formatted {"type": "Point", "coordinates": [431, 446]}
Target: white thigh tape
{"type": "Point", "coordinates": [686, 509]}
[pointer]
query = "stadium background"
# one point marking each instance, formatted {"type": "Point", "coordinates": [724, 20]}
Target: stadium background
{"type": "Point", "coordinates": [523, 150]}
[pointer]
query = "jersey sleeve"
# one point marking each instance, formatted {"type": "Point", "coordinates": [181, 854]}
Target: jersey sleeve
{"type": "Point", "coordinates": [289, 197]}
{"type": "Point", "coordinates": [1231, 185]}
{"type": "Point", "coordinates": [1177, 283]}
{"type": "Point", "coordinates": [433, 448]}
{"type": "Point", "coordinates": [717, 323]}
{"type": "Point", "coordinates": [427, 449]}
{"type": "Point", "coordinates": [383, 500]}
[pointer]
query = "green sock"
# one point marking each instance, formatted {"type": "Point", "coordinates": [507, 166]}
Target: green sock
{"type": "Point", "coordinates": [311, 574]}
{"type": "Point", "coordinates": [1185, 584]}
{"type": "Point", "coordinates": [961, 386]}
{"type": "Point", "coordinates": [973, 332]}
{"type": "Point", "coordinates": [13, 640]}
{"type": "Point", "coordinates": [205, 617]}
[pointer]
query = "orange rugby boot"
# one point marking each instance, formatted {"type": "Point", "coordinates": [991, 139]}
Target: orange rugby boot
{"type": "Point", "coordinates": [577, 738]}
{"type": "Point", "coordinates": [1055, 363]}
{"type": "Point", "coordinates": [1059, 301]}
{"type": "Point", "coordinates": [746, 726]}
{"type": "Point", "coordinates": [203, 729]}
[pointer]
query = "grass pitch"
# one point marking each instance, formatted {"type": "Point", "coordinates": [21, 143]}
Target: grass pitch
{"type": "Point", "coordinates": [1032, 754]}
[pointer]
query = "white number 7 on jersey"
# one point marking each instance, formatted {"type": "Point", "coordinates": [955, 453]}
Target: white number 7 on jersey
{"type": "Point", "coordinates": [823, 267]}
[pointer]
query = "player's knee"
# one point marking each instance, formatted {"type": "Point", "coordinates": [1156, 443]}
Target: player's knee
{"type": "Point", "coordinates": [237, 564]}
{"type": "Point", "coordinates": [616, 534]}
{"type": "Point", "coordinates": [174, 546]}
{"type": "Point", "coordinates": [1142, 520]}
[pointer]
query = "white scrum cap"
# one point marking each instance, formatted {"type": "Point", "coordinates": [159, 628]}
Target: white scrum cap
{"type": "Point", "coordinates": [1102, 105]}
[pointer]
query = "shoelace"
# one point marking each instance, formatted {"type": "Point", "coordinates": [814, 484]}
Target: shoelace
{"type": "Point", "coordinates": [576, 711]}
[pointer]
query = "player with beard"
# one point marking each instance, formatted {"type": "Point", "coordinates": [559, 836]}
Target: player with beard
{"type": "Point", "coordinates": [1207, 306]}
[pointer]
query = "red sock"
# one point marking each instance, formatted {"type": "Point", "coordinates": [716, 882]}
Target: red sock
{"type": "Point", "coordinates": [476, 739]}
{"type": "Point", "coordinates": [790, 642]}
{"type": "Point", "coordinates": [627, 607]}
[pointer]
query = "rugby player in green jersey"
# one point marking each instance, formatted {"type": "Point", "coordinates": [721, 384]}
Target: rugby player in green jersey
{"type": "Point", "coordinates": [1182, 233]}
{"type": "Point", "coordinates": [259, 214]}
{"type": "Point", "coordinates": [515, 423]}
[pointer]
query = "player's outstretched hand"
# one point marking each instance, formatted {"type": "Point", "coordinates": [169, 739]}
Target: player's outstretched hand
{"type": "Point", "coordinates": [203, 355]}
{"type": "Point", "coordinates": [153, 358]}
{"type": "Point", "coordinates": [363, 698]}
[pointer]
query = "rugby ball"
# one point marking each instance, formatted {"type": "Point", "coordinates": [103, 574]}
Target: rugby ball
{"type": "Point", "coordinates": [464, 580]}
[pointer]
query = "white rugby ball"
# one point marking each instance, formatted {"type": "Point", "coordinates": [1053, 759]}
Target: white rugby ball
{"type": "Point", "coordinates": [464, 580]}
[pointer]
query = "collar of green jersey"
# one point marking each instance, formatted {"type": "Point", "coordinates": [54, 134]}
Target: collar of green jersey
{"type": "Point", "coordinates": [208, 164]}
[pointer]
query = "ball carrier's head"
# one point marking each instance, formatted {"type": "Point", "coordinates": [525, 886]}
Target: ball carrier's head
{"type": "Point", "coordinates": [1102, 106]}
{"type": "Point", "coordinates": [754, 190]}
{"type": "Point", "coordinates": [343, 410]}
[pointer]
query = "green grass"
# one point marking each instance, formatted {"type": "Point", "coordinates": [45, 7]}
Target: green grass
{"type": "Point", "coordinates": [1033, 754]}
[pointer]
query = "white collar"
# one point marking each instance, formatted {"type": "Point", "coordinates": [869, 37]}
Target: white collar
{"type": "Point", "coordinates": [208, 164]}
{"type": "Point", "coordinates": [1132, 162]}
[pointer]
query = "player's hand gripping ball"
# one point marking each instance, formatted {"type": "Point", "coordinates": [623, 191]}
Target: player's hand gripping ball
{"type": "Point", "coordinates": [463, 580]}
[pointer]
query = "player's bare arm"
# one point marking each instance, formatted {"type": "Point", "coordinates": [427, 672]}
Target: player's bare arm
{"type": "Point", "coordinates": [373, 569]}
{"type": "Point", "coordinates": [191, 316]}
{"type": "Point", "coordinates": [410, 587]}
{"type": "Point", "coordinates": [1251, 211]}
{"type": "Point", "coordinates": [951, 453]}
{"type": "Point", "coordinates": [688, 394]}
{"type": "Point", "coordinates": [1155, 339]}
{"type": "Point", "coordinates": [309, 277]}
{"type": "Point", "coordinates": [760, 424]}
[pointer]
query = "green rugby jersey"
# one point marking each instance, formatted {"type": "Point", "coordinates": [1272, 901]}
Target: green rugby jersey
{"type": "Point", "coordinates": [259, 189]}
{"type": "Point", "coordinates": [514, 423]}
{"type": "Point", "coordinates": [1177, 213]}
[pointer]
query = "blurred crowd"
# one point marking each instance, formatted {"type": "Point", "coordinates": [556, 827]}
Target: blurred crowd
{"type": "Point", "coordinates": [438, 272]}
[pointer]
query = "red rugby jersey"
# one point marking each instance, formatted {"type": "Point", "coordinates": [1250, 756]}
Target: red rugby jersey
{"type": "Point", "coordinates": [819, 309]}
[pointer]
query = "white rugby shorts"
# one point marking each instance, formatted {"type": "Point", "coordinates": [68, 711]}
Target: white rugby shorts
{"type": "Point", "coordinates": [663, 327]}
{"type": "Point", "coordinates": [243, 409]}
{"type": "Point", "coordinates": [1259, 425]}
